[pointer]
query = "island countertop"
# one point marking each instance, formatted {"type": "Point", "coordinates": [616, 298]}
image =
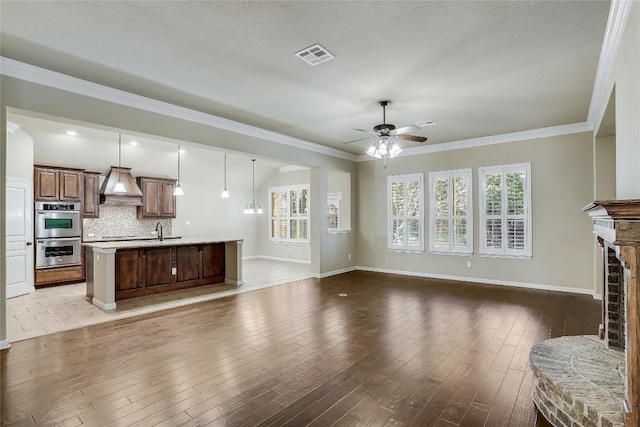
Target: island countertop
{"type": "Point", "coordinates": [133, 244]}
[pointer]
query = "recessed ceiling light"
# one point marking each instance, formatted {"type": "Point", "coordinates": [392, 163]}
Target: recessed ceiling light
{"type": "Point", "coordinates": [133, 143]}
{"type": "Point", "coordinates": [181, 151]}
{"type": "Point", "coordinates": [72, 132]}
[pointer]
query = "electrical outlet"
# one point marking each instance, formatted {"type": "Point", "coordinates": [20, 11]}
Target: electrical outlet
{"type": "Point", "coordinates": [91, 235]}
{"type": "Point", "coordinates": [187, 222]}
{"type": "Point", "coordinates": [468, 264]}
{"type": "Point", "coordinates": [174, 271]}
{"type": "Point", "coordinates": [349, 256]}
{"type": "Point", "coordinates": [154, 233]}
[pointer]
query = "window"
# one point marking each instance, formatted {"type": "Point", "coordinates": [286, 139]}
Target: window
{"type": "Point", "coordinates": [405, 212]}
{"type": "Point", "coordinates": [505, 212]}
{"type": "Point", "coordinates": [289, 213]}
{"type": "Point", "coordinates": [334, 211]}
{"type": "Point", "coordinates": [451, 219]}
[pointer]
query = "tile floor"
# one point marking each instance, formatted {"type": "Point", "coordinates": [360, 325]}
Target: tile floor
{"type": "Point", "coordinates": [50, 310]}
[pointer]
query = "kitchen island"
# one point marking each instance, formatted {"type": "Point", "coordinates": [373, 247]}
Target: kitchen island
{"type": "Point", "coordinates": [133, 268]}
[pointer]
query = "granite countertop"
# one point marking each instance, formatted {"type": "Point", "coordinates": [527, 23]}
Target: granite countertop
{"type": "Point", "coordinates": [132, 244]}
{"type": "Point", "coordinates": [124, 239]}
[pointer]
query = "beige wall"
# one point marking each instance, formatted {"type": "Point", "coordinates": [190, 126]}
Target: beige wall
{"type": "Point", "coordinates": [605, 168]}
{"type": "Point", "coordinates": [627, 83]}
{"type": "Point", "coordinates": [562, 183]}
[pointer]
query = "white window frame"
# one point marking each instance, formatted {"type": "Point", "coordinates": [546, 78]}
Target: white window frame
{"type": "Point", "coordinates": [504, 251]}
{"type": "Point", "coordinates": [335, 199]}
{"type": "Point", "coordinates": [450, 249]}
{"type": "Point", "coordinates": [287, 190]}
{"type": "Point", "coordinates": [405, 178]}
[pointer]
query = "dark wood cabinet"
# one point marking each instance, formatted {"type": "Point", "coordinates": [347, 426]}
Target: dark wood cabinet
{"type": "Point", "coordinates": [158, 200]}
{"type": "Point", "coordinates": [54, 184]}
{"type": "Point", "coordinates": [159, 265]}
{"type": "Point", "coordinates": [145, 271]}
{"type": "Point", "coordinates": [91, 203]}
{"type": "Point", "coordinates": [187, 263]}
{"type": "Point", "coordinates": [213, 260]}
{"type": "Point", "coordinates": [129, 269]}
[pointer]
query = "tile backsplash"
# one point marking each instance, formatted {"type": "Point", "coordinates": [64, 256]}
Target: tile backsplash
{"type": "Point", "coordinates": [120, 221]}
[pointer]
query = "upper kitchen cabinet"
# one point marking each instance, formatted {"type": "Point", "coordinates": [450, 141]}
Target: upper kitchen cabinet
{"type": "Point", "coordinates": [158, 200]}
{"type": "Point", "coordinates": [91, 205]}
{"type": "Point", "coordinates": [53, 184]}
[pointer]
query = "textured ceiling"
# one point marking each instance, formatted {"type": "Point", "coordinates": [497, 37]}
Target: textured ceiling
{"type": "Point", "coordinates": [476, 68]}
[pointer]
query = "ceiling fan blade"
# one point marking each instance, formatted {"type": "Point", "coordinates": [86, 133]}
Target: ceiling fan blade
{"type": "Point", "coordinates": [410, 128]}
{"type": "Point", "coordinates": [414, 138]}
{"type": "Point", "coordinates": [361, 139]}
{"type": "Point", "coordinates": [368, 131]}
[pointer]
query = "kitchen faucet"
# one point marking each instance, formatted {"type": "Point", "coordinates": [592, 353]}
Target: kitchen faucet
{"type": "Point", "coordinates": [159, 231]}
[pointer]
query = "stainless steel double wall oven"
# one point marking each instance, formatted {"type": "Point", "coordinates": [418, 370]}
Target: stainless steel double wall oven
{"type": "Point", "coordinates": [58, 234]}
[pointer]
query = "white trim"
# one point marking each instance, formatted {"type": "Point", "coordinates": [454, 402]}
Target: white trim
{"type": "Point", "coordinates": [504, 251]}
{"type": "Point", "coordinates": [273, 258]}
{"type": "Point", "coordinates": [4, 344]}
{"type": "Point", "coordinates": [107, 306]}
{"type": "Point", "coordinates": [494, 139]}
{"type": "Point", "coordinates": [338, 230]}
{"type": "Point", "coordinates": [12, 127]}
{"type": "Point", "coordinates": [233, 282]}
{"type": "Point", "coordinates": [404, 178]}
{"type": "Point", "coordinates": [30, 73]}
{"type": "Point", "coordinates": [481, 280]}
{"type": "Point", "coordinates": [617, 21]}
{"type": "Point", "coordinates": [292, 168]}
{"type": "Point", "coordinates": [449, 175]}
{"type": "Point", "coordinates": [333, 273]}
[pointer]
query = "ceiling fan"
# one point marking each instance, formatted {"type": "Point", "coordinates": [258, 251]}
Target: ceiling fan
{"type": "Point", "coordinates": [384, 148]}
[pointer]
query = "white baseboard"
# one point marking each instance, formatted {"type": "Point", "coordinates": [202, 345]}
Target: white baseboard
{"type": "Point", "coordinates": [233, 282]}
{"type": "Point", "coordinates": [107, 306]}
{"type": "Point", "coordinates": [333, 273]}
{"type": "Point", "coordinates": [4, 344]}
{"type": "Point", "coordinates": [481, 280]}
{"type": "Point", "coordinates": [597, 296]}
{"type": "Point", "coordinates": [300, 261]}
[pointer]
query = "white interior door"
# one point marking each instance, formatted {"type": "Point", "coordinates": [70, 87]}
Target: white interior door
{"type": "Point", "coordinates": [19, 238]}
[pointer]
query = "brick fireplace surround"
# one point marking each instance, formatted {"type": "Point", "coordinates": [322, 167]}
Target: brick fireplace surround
{"type": "Point", "coordinates": [594, 381]}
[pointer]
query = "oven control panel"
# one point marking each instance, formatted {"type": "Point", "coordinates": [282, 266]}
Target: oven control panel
{"type": "Point", "coordinates": [45, 206]}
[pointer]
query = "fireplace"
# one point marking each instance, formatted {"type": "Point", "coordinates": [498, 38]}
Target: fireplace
{"type": "Point", "coordinates": [594, 381]}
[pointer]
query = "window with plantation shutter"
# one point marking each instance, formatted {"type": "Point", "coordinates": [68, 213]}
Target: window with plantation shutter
{"type": "Point", "coordinates": [505, 210]}
{"type": "Point", "coordinates": [405, 212]}
{"type": "Point", "coordinates": [451, 216]}
{"type": "Point", "coordinates": [289, 214]}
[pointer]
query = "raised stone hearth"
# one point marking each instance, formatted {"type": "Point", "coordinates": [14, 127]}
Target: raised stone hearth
{"type": "Point", "coordinates": [578, 382]}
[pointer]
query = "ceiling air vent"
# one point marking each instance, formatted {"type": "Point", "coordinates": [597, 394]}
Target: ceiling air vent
{"type": "Point", "coordinates": [314, 55]}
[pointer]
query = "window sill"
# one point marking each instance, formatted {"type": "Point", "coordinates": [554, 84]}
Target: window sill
{"type": "Point", "coordinates": [339, 231]}
{"type": "Point", "coordinates": [279, 242]}
{"type": "Point", "coordinates": [506, 256]}
{"type": "Point", "coordinates": [410, 251]}
{"type": "Point", "coordinates": [451, 253]}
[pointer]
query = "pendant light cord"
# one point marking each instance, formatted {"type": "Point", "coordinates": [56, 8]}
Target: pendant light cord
{"type": "Point", "coordinates": [119, 153]}
{"type": "Point", "coordinates": [178, 164]}
{"type": "Point", "coordinates": [253, 186]}
{"type": "Point", "coordinates": [225, 171]}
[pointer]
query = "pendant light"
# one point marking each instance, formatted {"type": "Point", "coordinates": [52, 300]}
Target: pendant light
{"type": "Point", "coordinates": [225, 193]}
{"type": "Point", "coordinates": [253, 207]}
{"type": "Point", "coordinates": [178, 191]}
{"type": "Point", "coordinates": [119, 188]}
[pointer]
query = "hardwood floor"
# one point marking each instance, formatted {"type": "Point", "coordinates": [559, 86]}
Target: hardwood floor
{"type": "Point", "coordinates": [397, 351]}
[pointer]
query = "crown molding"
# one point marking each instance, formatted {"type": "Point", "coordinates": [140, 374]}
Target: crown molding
{"type": "Point", "coordinates": [494, 139]}
{"type": "Point", "coordinates": [12, 127]}
{"type": "Point", "coordinates": [42, 76]}
{"type": "Point", "coordinates": [618, 15]}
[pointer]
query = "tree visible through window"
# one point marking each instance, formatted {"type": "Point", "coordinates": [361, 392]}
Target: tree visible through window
{"type": "Point", "coordinates": [451, 219]}
{"type": "Point", "coordinates": [289, 213]}
{"type": "Point", "coordinates": [505, 217]}
{"type": "Point", "coordinates": [405, 212]}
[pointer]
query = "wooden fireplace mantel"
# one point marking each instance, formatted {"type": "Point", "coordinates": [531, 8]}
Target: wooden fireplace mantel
{"type": "Point", "coordinates": [617, 222]}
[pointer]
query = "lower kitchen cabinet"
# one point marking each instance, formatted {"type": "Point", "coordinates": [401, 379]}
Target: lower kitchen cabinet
{"type": "Point", "coordinates": [145, 271]}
